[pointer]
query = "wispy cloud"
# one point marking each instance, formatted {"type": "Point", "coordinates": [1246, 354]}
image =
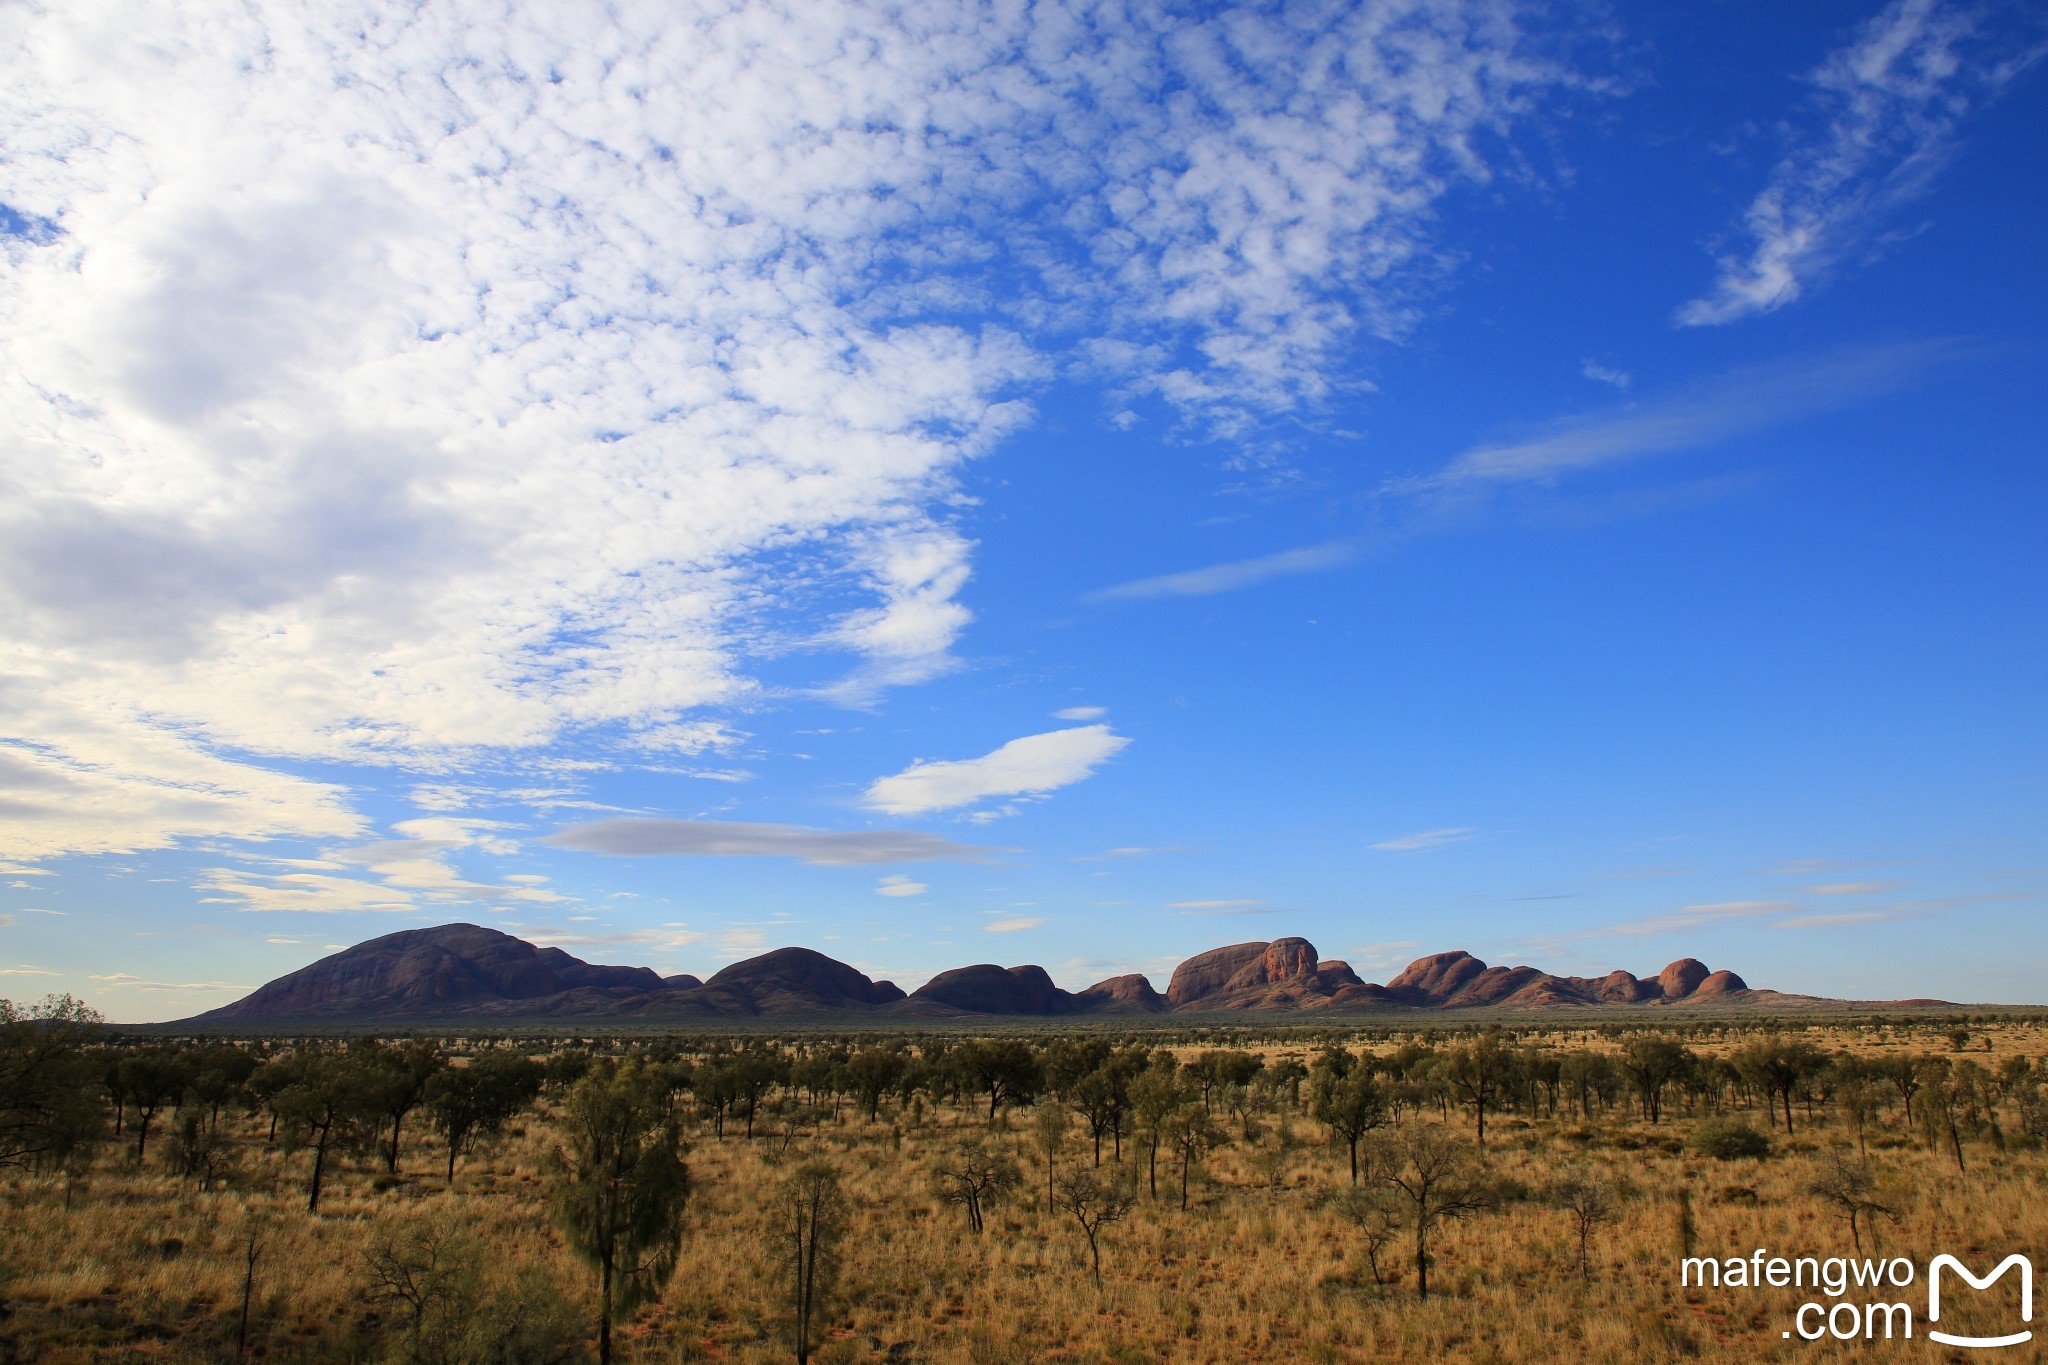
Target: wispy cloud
{"type": "Point", "coordinates": [1850, 888]}
{"type": "Point", "coordinates": [1014, 924]}
{"type": "Point", "coordinates": [644, 838]}
{"type": "Point", "coordinates": [1734, 404]}
{"type": "Point", "coordinates": [126, 981]}
{"type": "Point", "coordinates": [1605, 374]}
{"type": "Point", "coordinates": [1240, 573]}
{"type": "Point", "coordinates": [1426, 841]}
{"type": "Point", "coordinates": [1030, 766]}
{"type": "Point", "coordinates": [1127, 851]}
{"type": "Point", "coordinates": [1213, 905]}
{"type": "Point", "coordinates": [1081, 713]}
{"type": "Point", "coordinates": [897, 885]}
{"type": "Point", "coordinates": [1889, 105]}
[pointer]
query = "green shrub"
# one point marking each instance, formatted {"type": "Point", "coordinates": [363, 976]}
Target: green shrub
{"type": "Point", "coordinates": [1727, 1139]}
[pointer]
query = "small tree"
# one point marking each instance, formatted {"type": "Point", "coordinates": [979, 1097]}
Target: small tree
{"type": "Point", "coordinates": [1849, 1186]}
{"type": "Point", "coordinates": [320, 1098]}
{"type": "Point", "coordinates": [1372, 1211]}
{"type": "Point", "coordinates": [428, 1267]}
{"type": "Point", "coordinates": [810, 1220]}
{"type": "Point", "coordinates": [619, 1188]}
{"type": "Point", "coordinates": [48, 1109]}
{"type": "Point", "coordinates": [1190, 1132]}
{"type": "Point", "coordinates": [1436, 1173]}
{"type": "Point", "coordinates": [396, 1080]}
{"type": "Point", "coordinates": [1589, 1198]}
{"type": "Point", "coordinates": [1004, 1069]}
{"type": "Point", "coordinates": [975, 1175]}
{"type": "Point", "coordinates": [1351, 1105]}
{"type": "Point", "coordinates": [467, 1103]}
{"type": "Point", "coordinates": [153, 1077]}
{"type": "Point", "coordinates": [1050, 1130]}
{"type": "Point", "coordinates": [1095, 1202]}
{"type": "Point", "coordinates": [1155, 1095]}
{"type": "Point", "coordinates": [1652, 1062]}
{"type": "Point", "coordinates": [1479, 1074]}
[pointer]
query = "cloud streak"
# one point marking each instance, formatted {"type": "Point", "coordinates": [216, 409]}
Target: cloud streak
{"type": "Point", "coordinates": [1427, 841]}
{"type": "Point", "coordinates": [1889, 104]}
{"type": "Point", "coordinates": [1230, 577]}
{"type": "Point", "coordinates": [652, 838]}
{"type": "Point", "coordinates": [1735, 404]}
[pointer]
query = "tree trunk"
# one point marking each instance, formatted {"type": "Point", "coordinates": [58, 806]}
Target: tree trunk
{"type": "Point", "coordinates": [319, 1162]}
{"type": "Point", "coordinates": [1421, 1259]}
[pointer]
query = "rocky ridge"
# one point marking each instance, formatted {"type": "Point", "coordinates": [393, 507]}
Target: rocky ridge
{"type": "Point", "coordinates": [466, 971]}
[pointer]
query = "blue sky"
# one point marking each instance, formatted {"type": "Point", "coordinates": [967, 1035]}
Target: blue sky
{"type": "Point", "coordinates": [1057, 483]}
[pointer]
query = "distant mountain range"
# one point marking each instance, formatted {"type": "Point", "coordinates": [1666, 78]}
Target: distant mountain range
{"type": "Point", "coordinates": [458, 973]}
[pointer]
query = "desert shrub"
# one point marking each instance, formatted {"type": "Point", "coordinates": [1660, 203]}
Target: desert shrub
{"type": "Point", "coordinates": [1727, 1139]}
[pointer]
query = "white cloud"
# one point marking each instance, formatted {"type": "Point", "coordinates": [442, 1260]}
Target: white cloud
{"type": "Point", "coordinates": [1027, 766]}
{"type": "Point", "coordinates": [1425, 841]}
{"type": "Point", "coordinates": [1080, 713]}
{"type": "Point", "coordinates": [1241, 573]}
{"type": "Point", "coordinates": [1851, 888]}
{"type": "Point", "coordinates": [392, 384]}
{"type": "Point", "coordinates": [25, 971]}
{"type": "Point", "coordinates": [1605, 374]}
{"type": "Point", "coordinates": [1015, 924]}
{"type": "Point", "coordinates": [310, 892]}
{"type": "Point", "coordinates": [900, 886]}
{"type": "Point", "coordinates": [1889, 104]}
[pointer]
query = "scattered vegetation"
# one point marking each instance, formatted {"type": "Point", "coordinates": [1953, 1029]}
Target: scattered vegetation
{"type": "Point", "coordinates": [1309, 1194]}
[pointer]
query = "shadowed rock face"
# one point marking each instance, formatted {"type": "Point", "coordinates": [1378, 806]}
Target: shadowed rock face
{"type": "Point", "coordinates": [800, 979]}
{"type": "Point", "coordinates": [1123, 995]}
{"type": "Point", "coordinates": [989, 989]}
{"type": "Point", "coordinates": [420, 972]}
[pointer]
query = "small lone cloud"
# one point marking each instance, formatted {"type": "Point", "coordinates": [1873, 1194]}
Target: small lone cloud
{"type": "Point", "coordinates": [1030, 766]}
{"type": "Point", "coordinates": [1426, 841]}
{"type": "Point", "coordinates": [1213, 905]}
{"type": "Point", "coordinates": [900, 886]}
{"type": "Point", "coordinates": [1851, 888]}
{"type": "Point", "coordinates": [1606, 374]}
{"type": "Point", "coordinates": [1016, 924]}
{"type": "Point", "coordinates": [1080, 713]}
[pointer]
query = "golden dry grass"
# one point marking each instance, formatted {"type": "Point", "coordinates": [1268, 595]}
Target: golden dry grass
{"type": "Point", "coordinates": [144, 1267]}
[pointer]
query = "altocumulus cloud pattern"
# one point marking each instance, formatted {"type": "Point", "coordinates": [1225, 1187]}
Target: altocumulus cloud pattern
{"type": "Point", "coordinates": [388, 384]}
